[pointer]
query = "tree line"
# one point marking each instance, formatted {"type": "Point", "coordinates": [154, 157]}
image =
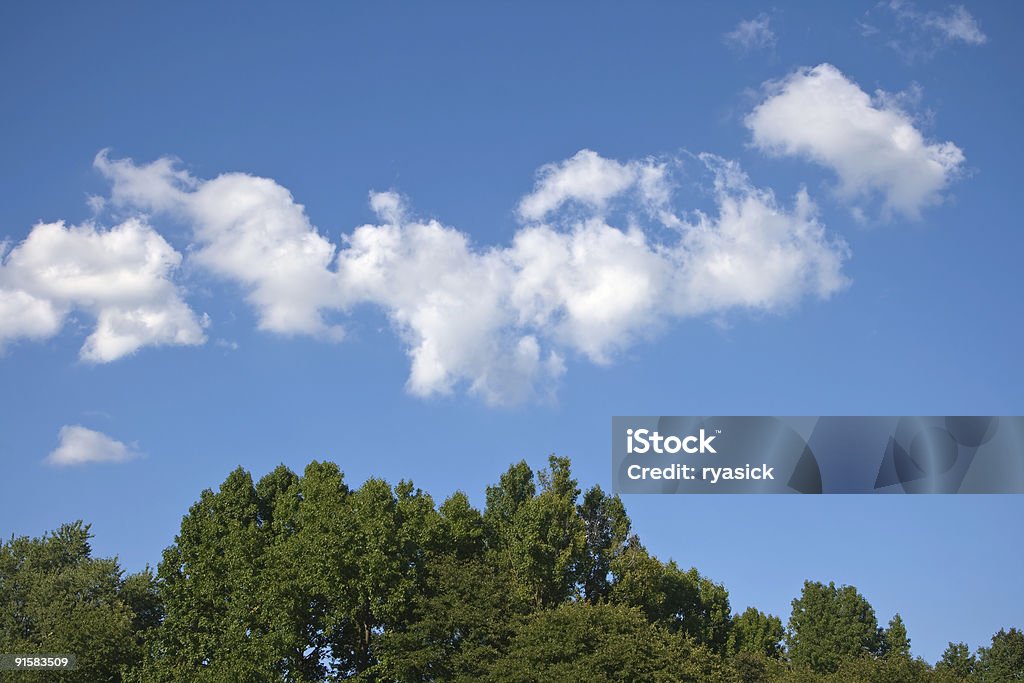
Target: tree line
{"type": "Point", "coordinates": [302, 578]}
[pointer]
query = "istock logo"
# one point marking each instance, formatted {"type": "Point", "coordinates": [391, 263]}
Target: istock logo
{"type": "Point", "coordinates": [645, 441]}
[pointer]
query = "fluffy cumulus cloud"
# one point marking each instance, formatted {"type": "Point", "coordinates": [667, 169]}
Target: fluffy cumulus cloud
{"type": "Point", "coordinates": [751, 34]}
{"type": "Point", "coordinates": [595, 286]}
{"type": "Point", "coordinates": [589, 181]}
{"type": "Point", "coordinates": [78, 446]}
{"type": "Point", "coordinates": [755, 253]}
{"type": "Point", "coordinates": [246, 229]}
{"type": "Point", "coordinates": [449, 302]}
{"type": "Point", "coordinates": [121, 276]}
{"type": "Point", "coordinates": [871, 144]}
{"type": "Point", "coordinates": [601, 253]}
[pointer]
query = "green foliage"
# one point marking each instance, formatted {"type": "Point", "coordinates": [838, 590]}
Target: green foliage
{"type": "Point", "coordinates": [830, 625]}
{"type": "Point", "coordinates": [606, 527]}
{"type": "Point", "coordinates": [300, 579]}
{"type": "Point", "coordinates": [462, 526]}
{"type": "Point", "coordinates": [55, 598]}
{"type": "Point", "coordinates": [711, 623]}
{"type": "Point", "coordinates": [895, 642]}
{"type": "Point", "coordinates": [600, 643]}
{"type": "Point", "coordinates": [751, 667]}
{"type": "Point", "coordinates": [292, 578]}
{"type": "Point", "coordinates": [957, 661]}
{"type": "Point", "coordinates": [866, 669]}
{"type": "Point", "coordinates": [1003, 660]}
{"type": "Point", "coordinates": [682, 602]}
{"type": "Point", "coordinates": [514, 489]}
{"type": "Point", "coordinates": [664, 592]}
{"type": "Point", "coordinates": [461, 623]}
{"type": "Point", "coordinates": [538, 537]}
{"type": "Point", "coordinates": [219, 622]}
{"type": "Point", "coordinates": [758, 633]}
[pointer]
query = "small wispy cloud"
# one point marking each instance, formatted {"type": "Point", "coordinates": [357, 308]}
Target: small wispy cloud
{"type": "Point", "coordinates": [919, 34]}
{"type": "Point", "coordinates": [958, 24]}
{"type": "Point", "coordinates": [79, 446]}
{"type": "Point", "coordinates": [751, 34]}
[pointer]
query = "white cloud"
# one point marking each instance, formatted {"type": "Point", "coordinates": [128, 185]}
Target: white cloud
{"type": "Point", "coordinates": [78, 446]}
{"type": "Point", "coordinates": [599, 288]}
{"type": "Point", "coordinates": [591, 181]}
{"type": "Point", "coordinates": [871, 144]}
{"type": "Point", "coordinates": [919, 35]}
{"type": "Point", "coordinates": [502, 319]}
{"type": "Point", "coordinates": [601, 262]}
{"type": "Point", "coordinates": [594, 287]}
{"type": "Point", "coordinates": [958, 24]}
{"type": "Point", "coordinates": [25, 316]}
{"type": "Point", "coordinates": [448, 302]}
{"type": "Point", "coordinates": [122, 276]}
{"type": "Point", "coordinates": [246, 229]}
{"type": "Point", "coordinates": [754, 253]}
{"type": "Point", "coordinates": [752, 34]}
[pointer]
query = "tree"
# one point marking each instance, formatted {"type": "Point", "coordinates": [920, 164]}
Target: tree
{"type": "Point", "coordinates": [141, 593]}
{"type": "Point", "coordinates": [537, 537]}
{"type": "Point", "coordinates": [392, 534]}
{"type": "Point", "coordinates": [895, 641]}
{"type": "Point", "coordinates": [322, 548]}
{"type": "Point", "coordinates": [830, 625]}
{"type": "Point", "coordinates": [56, 598]}
{"type": "Point", "coordinates": [221, 590]}
{"type": "Point", "coordinates": [751, 667]}
{"type": "Point", "coordinates": [661, 591]}
{"type": "Point", "coordinates": [515, 487]}
{"type": "Point", "coordinates": [294, 578]}
{"type": "Point", "coordinates": [606, 528]}
{"type": "Point", "coordinates": [462, 621]}
{"type": "Point", "coordinates": [1003, 660]}
{"type": "Point", "coordinates": [758, 633]}
{"type": "Point", "coordinates": [957, 660]}
{"type": "Point", "coordinates": [711, 623]}
{"type": "Point", "coordinates": [680, 601]}
{"type": "Point", "coordinates": [600, 643]}
{"type": "Point", "coordinates": [302, 579]}
{"type": "Point", "coordinates": [462, 527]}
{"type": "Point", "coordinates": [881, 670]}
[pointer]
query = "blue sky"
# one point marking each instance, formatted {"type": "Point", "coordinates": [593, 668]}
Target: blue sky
{"type": "Point", "coordinates": [577, 211]}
